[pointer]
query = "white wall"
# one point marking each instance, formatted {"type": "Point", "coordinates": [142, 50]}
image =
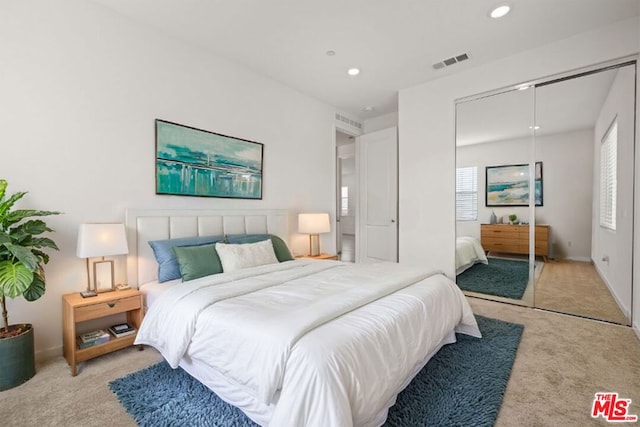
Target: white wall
{"type": "Point", "coordinates": [567, 172]}
{"type": "Point", "coordinates": [427, 135]}
{"type": "Point", "coordinates": [81, 87]}
{"type": "Point", "coordinates": [611, 249]}
{"type": "Point", "coordinates": [381, 122]}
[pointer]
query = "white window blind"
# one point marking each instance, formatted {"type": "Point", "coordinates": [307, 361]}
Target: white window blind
{"type": "Point", "coordinates": [344, 201]}
{"type": "Point", "coordinates": [608, 177]}
{"type": "Point", "coordinates": [467, 193]}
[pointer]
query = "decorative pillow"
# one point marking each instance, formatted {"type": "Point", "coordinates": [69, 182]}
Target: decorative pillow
{"type": "Point", "coordinates": [279, 246]}
{"type": "Point", "coordinates": [168, 268]}
{"type": "Point", "coordinates": [238, 256]}
{"type": "Point", "coordinates": [197, 261]}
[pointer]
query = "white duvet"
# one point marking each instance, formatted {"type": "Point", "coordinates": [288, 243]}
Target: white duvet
{"type": "Point", "coordinates": [322, 343]}
{"type": "Point", "coordinates": [469, 252]}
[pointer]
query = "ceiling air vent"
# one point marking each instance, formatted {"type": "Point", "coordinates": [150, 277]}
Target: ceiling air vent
{"type": "Point", "coordinates": [450, 61]}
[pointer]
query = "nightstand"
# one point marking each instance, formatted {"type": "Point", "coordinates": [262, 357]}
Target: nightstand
{"type": "Point", "coordinates": [77, 309]}
{"type": "Point", "coordinates": [321, 256]}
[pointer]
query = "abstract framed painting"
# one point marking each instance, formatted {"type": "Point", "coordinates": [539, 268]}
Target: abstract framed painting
{"type": "Point", "coordinates": [508, 185]}
{"type": "Point", "coordinates": [195, 162]}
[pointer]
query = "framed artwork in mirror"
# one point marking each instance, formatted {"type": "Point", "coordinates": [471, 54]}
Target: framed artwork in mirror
{"type": "Point", "coordinates": [508, 185]}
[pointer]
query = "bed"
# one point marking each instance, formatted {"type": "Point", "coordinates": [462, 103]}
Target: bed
{"type": "Point", "coordinates": [469, 252]}
{"type": "Point", "coordinates": [298, 342]}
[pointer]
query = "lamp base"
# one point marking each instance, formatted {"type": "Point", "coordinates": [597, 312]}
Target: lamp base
{"type": "Point", "coordinates": [314, 244]}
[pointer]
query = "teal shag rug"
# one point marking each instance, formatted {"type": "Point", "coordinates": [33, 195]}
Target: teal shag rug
{"type": "Point", "coordinates": [501, 277]}
{"type": "Point", "coordinates": [462, 385]}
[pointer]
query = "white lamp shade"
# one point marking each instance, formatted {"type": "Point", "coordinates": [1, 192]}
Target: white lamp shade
{"type": "Point", "coordinates": [313, 223]}
{"type": "Point", "coordinates": [96, 240]}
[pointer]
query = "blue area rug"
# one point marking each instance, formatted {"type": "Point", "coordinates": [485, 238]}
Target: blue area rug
{"type": "Point", "coordinates": [501, 277]}
{"type": "Point", "coordinates": [462, 385]}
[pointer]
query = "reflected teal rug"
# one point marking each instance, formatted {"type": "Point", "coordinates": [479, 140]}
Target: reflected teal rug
{"type": "Point", "coordinates": [462, 385]}
{"type": "Point", "coordinates": [501, 277]}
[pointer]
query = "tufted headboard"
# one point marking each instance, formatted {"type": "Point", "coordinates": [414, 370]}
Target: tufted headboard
{"type": "Point", "coordinates": [144, 225]}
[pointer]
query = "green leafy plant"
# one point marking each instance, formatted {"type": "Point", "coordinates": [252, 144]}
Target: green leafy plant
{"type": "Point", "coordinates": [513, 217]}
{"type": "Point", "coordinates": [21, 252]}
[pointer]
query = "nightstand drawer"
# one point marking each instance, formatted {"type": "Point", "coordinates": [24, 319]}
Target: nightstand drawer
{"type": "Point", "coordinates": [106, 308]}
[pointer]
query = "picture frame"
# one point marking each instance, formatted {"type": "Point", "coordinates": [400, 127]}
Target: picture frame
{"type": "Point", "coordinates": [508, 185]}
{"type": "Point", "coordinates": [103, 276]}
{"type": "Point", "coordinates": [196, 162]}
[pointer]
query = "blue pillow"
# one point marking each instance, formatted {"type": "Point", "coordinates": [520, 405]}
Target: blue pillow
{"type": "Point", "coordinates": [279, 246]}
{"type": "Point", "coordinates": [168, 268]}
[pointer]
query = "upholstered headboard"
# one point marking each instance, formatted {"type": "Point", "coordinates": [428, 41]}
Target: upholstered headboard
{"type": "Point", "coordinates": [144, 225]}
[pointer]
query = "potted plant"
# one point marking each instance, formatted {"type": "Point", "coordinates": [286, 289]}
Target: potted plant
{"type": "Point", "coordinates": [21, 274]}
{"type": "Point", "coordinates": [513, 218]}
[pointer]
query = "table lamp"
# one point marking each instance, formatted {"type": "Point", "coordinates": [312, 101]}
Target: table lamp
{"type": "Point", "coordinates": [313, 224]}
{"type": "Point", "coordinates": [100, 240]}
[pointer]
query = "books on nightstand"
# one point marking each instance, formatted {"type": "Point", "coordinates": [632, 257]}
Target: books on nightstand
{"type": "Point", "coordinates": [92, 338]}
{"type": "Point", "coordinates": [122, 330]}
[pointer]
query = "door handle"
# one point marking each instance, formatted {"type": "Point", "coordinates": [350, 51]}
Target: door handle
{"type": "Point", "coordinates": [393, 220]}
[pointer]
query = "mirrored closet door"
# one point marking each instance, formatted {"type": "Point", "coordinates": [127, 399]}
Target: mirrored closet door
{"type": "Point", "coordinates": [577, 154]}
{"type": "Point", "coordinates": [494, 145]}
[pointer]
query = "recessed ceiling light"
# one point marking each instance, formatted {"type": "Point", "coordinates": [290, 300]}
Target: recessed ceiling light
{"type": "Point", "coordinates": [534, 127]}
{"type": "Point", "coordinates": [331, 52]}
{"type": "Point", "coordinates": [500, 11]}
{"type": "Point", "coordinates": [353, 71]}
{"type": "Point", "coordinates": [368, 108]}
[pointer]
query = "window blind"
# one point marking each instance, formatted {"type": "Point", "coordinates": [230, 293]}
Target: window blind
{"type": "Point", "coordinates": [467, 193]}
{"type": "Point", "coordinates": [608, 177]}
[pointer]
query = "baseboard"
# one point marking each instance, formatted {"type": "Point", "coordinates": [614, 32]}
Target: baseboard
{"type": "Point", "coordinates": [636, 329]}
{"type": "Point", "coordinates": [50, 353]}
{"type": "Point", "coordinates": [621, 306]}
{"type": "Point", "coordinates": [577, 258]}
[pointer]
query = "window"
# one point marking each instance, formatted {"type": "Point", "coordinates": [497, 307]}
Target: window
{"type": "Point", "coordinates": [344, 201]}
{"type": "Point", "coordinates": [467, 193]}
{"type": "Point", "coordinates": [608, 177]}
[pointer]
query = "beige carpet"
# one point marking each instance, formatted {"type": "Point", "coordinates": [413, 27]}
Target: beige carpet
{"type": "Point", "coordinates": [576, 288]}
{"type": "Point", "coordinates": [561, 362]}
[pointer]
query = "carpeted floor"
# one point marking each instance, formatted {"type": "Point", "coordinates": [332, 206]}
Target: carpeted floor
{"type": "Point", "coordinates": [500, 277]}
{"type": "Point", "coordinates": [561, 362]}
{"type": "Point", "coordinates": [462, 385]}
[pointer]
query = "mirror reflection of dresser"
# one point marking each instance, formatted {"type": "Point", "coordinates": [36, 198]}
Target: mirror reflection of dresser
{"type": "Point", "coordinates": [514, 239]}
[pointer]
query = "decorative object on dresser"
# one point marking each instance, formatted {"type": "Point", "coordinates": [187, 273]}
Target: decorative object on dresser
{"type": "Point", "coordinates": [313, 224]}
{"type": "Point", "coordinates": [514, 239]}
{"type": "Point", "coordinates": [22, 258]}
{"type": "Point", "coordinates": [508, 185]}
{"type": "Point", "coordinates": [77, 310]}
{"type": "Point", "coordinates": [195, 162]}
{"type": "Point", "coordinates": [100, 240]}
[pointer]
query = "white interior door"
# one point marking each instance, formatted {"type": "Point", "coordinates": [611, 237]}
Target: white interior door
{"type": "Point", "coordinates": [377, 225]}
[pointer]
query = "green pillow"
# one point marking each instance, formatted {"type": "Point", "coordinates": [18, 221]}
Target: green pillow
{"type": "Point", "coordinates": [280, 248]}
{"type": "Point", "coordinates": [197, 261]}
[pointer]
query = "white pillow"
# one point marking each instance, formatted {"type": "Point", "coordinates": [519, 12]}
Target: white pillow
{"type": "Point", "coordinates": [238, 256]}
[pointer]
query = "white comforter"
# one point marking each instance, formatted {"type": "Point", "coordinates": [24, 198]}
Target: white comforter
{"type": "Point", "coordinates": [324, 343]}
{"type": "Point", "coordinates": [469, 252]}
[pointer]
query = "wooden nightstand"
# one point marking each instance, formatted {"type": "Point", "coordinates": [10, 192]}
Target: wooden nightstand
{"type": "Point", "coordinates": [77, 309]}
{"type": "Point", "coordinates": [321, 256]}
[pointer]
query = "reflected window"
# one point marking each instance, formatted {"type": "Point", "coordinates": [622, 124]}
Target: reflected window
{"type": "Point", "coordinates": [344, 201]}
{"type": "Point", "coordinates": [467, 193]}
{"type": "Point", "coordinates": [608, 177]}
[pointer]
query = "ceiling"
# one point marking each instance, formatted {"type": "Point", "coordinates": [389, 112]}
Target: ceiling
{"type": "Point", "coordinates": [565, 106]}
{"type": "Point", "coordinates": [394, 43]}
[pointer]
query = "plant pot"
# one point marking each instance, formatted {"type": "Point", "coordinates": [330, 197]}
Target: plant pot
{"type": "Point", "coordinates": [17, 358]}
